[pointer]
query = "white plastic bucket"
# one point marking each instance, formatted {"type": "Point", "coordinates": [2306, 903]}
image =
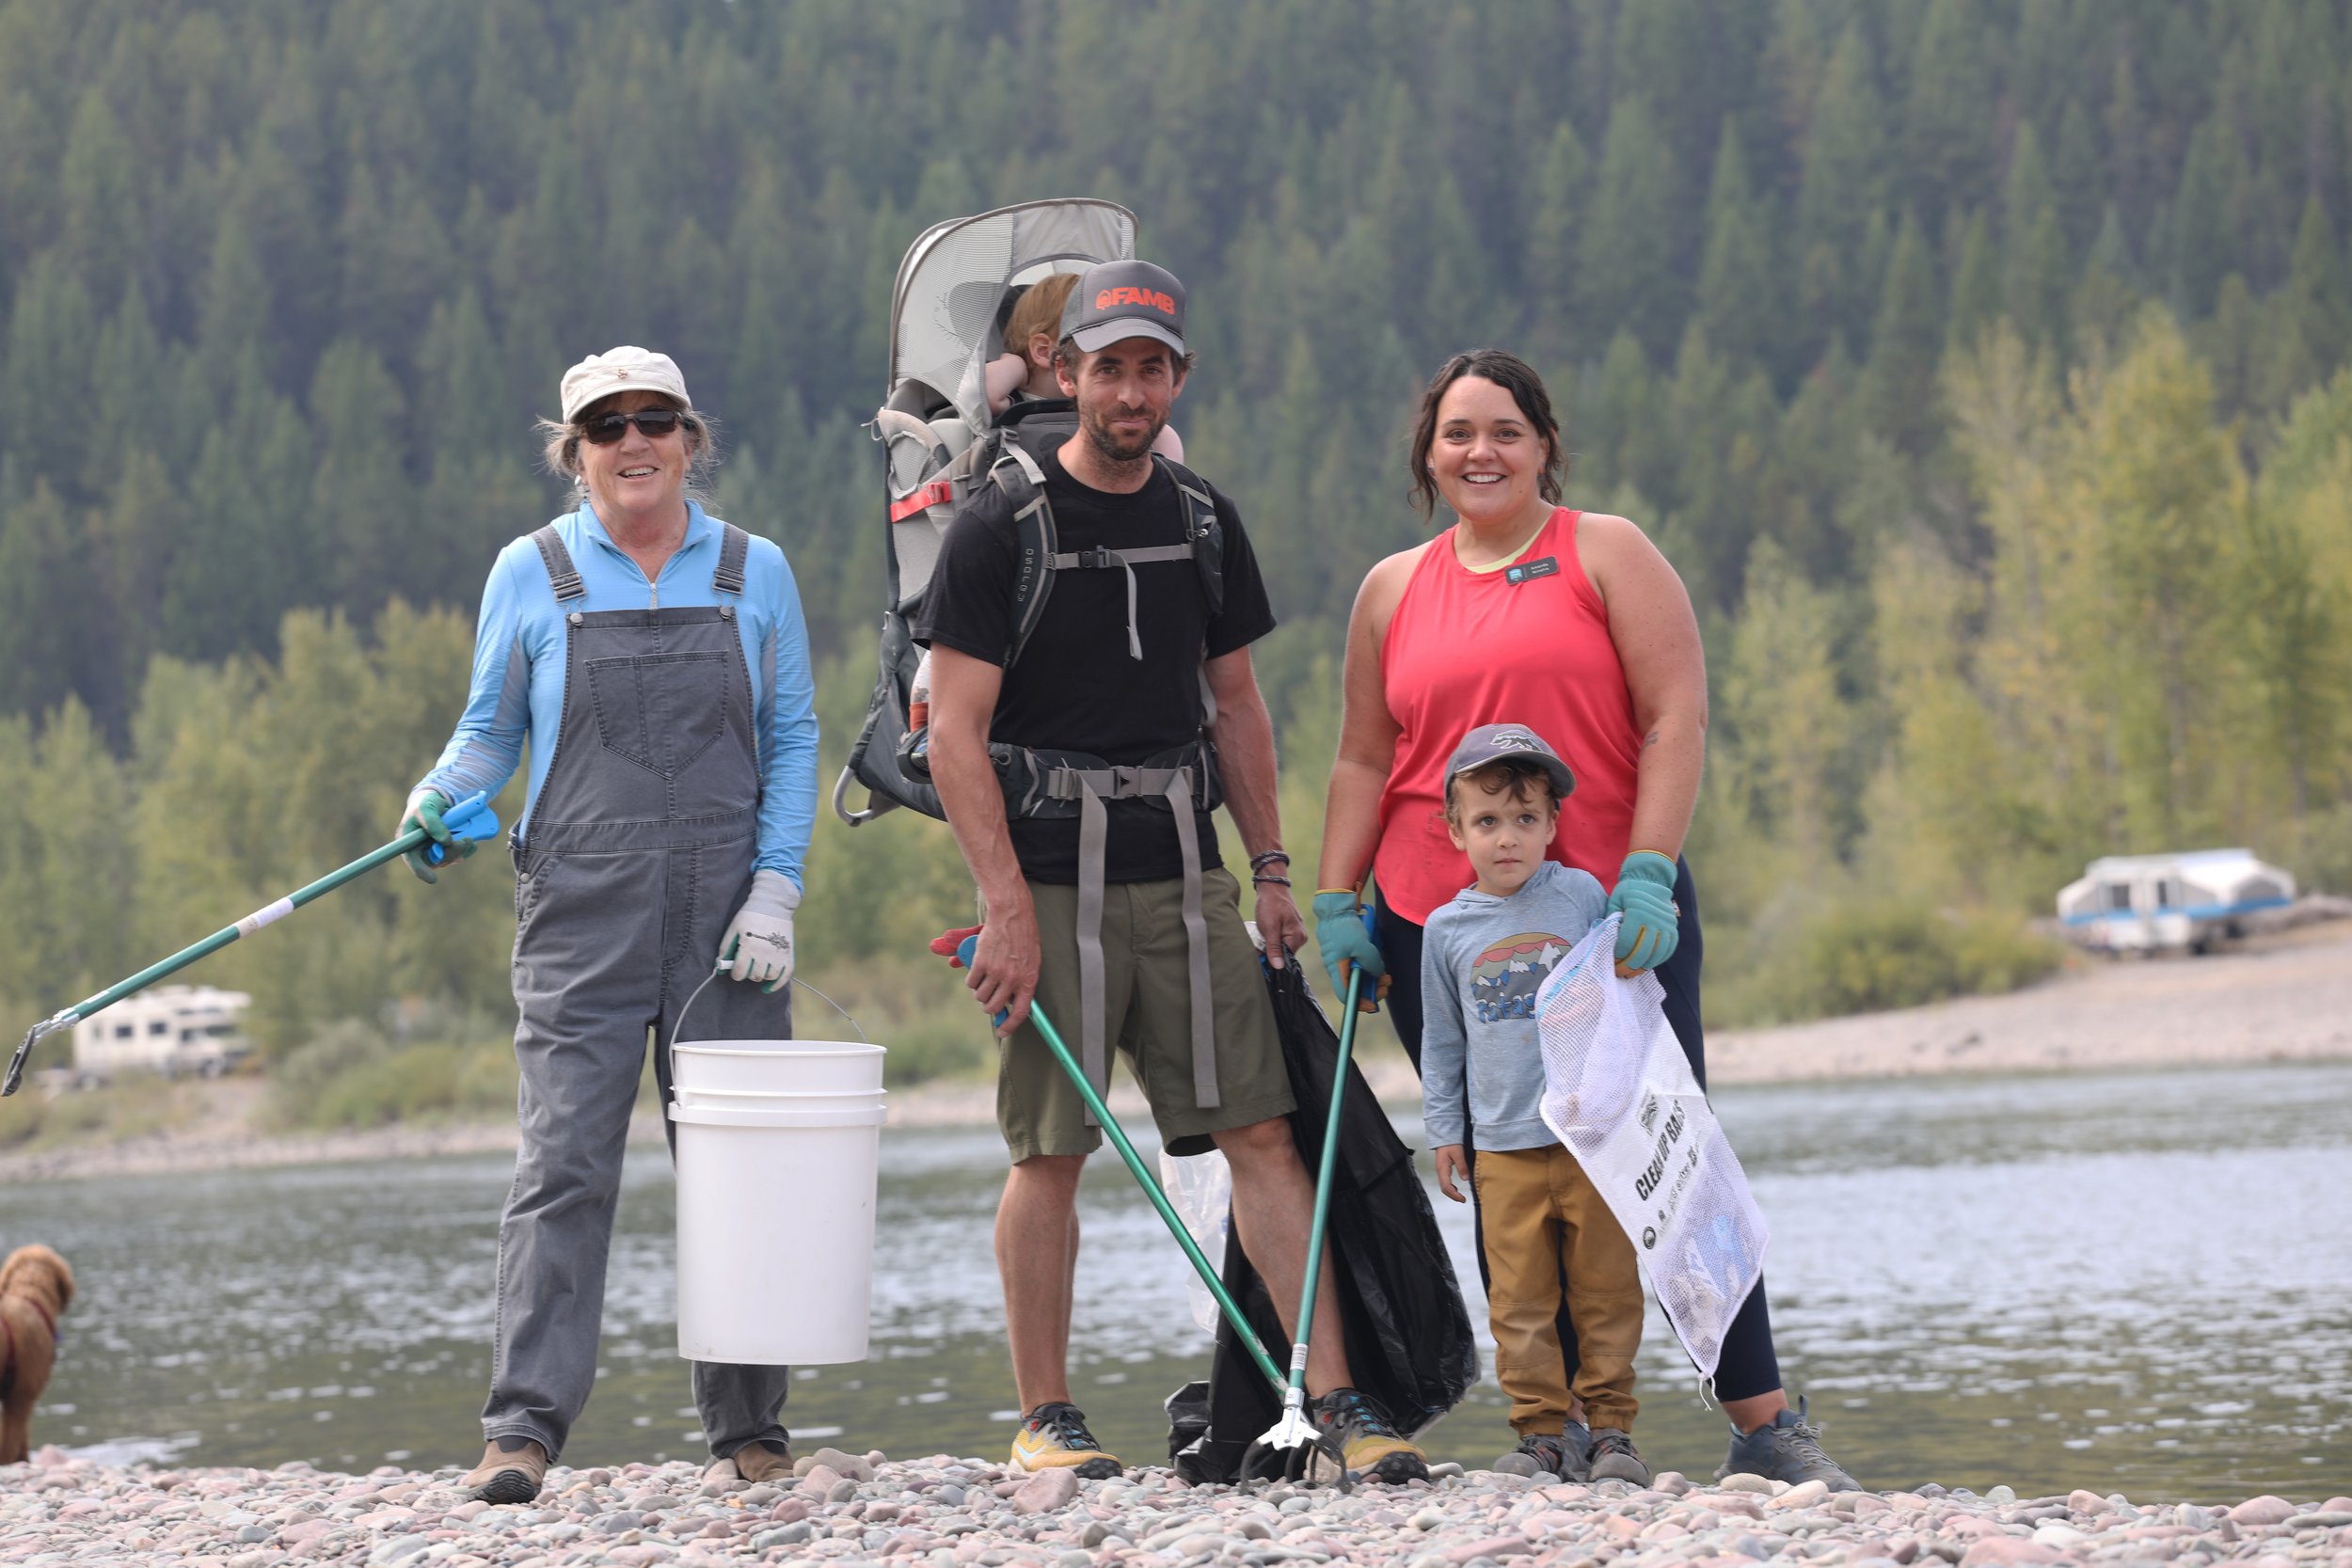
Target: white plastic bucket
{"type": "Point", "coordinates": [775, 1231]}
{"type": "Point", "coordinates": [761, 1100]}
{"type": "Point", "coordinates": [805, 1066]}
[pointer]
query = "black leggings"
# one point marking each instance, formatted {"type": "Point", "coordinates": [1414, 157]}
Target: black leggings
{"type": "Point", "coordinates": [1748, 1366]}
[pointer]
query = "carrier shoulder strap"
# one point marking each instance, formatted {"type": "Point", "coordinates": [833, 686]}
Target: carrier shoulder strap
{"type": "Point", "coordinates": [561, 575]}
{"type": "Point", "coordinates": [734, 546]}
{"type": "Point", "coordinates": [1018, 474]}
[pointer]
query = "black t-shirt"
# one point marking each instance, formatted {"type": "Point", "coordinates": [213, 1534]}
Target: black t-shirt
{"type": "Point", "coordinates": [1074, 688]}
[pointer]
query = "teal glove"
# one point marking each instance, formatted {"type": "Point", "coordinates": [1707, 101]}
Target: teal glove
{"type": "Point", "coordinates": [425, 811]}
{"type": "Point", "coordinates": [1341, 937]}
{"type": "Point", "coordinates": [1645, 895]}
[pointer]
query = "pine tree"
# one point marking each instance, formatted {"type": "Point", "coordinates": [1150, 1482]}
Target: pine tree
{"type": "Point", "coordinates": [2308, 328]}
{"type": "Point", "coordinates": [2034, 278]}
{"type": "Point", "coordinates": [52, 335]}
{"type": "Point", "coordinates": [1947, 133]}
{"type": "Point", "coordinates": [104, 230]}
{"type": "Point", "coordinates": [2077, 172]}
{"type": "Point", "coordinates": [1843, 183]}
{"type": "Point", "coordinates": [1738, 303]}
{"type": "Point", "coordinates": [360, 483]}
{"type": "Point", "coordinates": [2201, 239]}
{"type": "Point", "coordinates": [1555, 229]}
{"type": "Point", "coordinates": [1624, 269]}
{"type": "Point", "coordinates": [1905, 341]}
{"type": "Point", "coordinates": [1975, 283]}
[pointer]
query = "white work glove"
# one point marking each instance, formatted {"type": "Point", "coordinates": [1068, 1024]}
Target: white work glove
{"type": "Point", "coordinates": [759, 938]}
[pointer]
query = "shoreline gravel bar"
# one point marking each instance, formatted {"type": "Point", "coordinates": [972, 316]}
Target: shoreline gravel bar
{"type": "Point", "coordinates": [946, 1513]}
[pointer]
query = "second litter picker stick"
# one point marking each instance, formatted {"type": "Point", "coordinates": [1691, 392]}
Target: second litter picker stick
{"type": "Point", "coordinates": [1117, 1136]}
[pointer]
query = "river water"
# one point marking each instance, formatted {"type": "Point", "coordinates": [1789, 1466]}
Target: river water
{"type": "Point", "coordinates": [2128, 1281]}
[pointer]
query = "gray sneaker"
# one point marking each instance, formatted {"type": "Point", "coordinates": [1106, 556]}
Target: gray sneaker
{"type": "Point", "coordinates": [1541, 1453]}
{"type": "Point", "coordinates": [1613, 1457]}
{"type": "Point", "coordinates": [1789, 1450]}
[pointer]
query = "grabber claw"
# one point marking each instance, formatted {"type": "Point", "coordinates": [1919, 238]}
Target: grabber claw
{"type": "Point", "coordinates": [49, 1026]}
{"type": "Point", "coordinates": [1293, 1432]}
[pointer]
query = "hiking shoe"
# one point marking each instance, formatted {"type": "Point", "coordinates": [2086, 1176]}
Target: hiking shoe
{"type": "Point", "coordinates": [763, 1461]}
{"type": "Point", "coordinates": [1614, 1457]}
{"type": "Point", "coordinates": [1789, 1450]}
{"type": "Point", "coordinates": [1541, 1453]}
{"type": "Point", "coordinates": [1370, 1446]}
{"type": "Point", "coordinates": [511, 1471]}
{"type": "Point", "coordinates": [1055, 1438]}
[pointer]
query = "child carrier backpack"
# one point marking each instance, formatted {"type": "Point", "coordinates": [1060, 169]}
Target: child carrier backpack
{"type": "Point", "coordinates": [955, 288]}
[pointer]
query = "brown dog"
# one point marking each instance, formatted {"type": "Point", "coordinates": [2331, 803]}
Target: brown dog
{"type": "Point", "coordinates": [35, 1288]}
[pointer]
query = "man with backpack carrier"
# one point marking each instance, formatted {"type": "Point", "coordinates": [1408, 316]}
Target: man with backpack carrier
{"type": "Point", "coordinates": [1091, 703]}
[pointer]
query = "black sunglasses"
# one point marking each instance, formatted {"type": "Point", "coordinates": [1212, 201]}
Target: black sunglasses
{"type": "Point", "coordinates": [602, 430]}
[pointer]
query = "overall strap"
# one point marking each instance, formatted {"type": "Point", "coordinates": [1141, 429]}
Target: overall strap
{"type": "Point", "coordinates": [561, 575]}
{"type": "Point", "coordinates": [734, 545]}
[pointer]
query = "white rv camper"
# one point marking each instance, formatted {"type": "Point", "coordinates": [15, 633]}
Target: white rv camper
{"type": "Point", "coordinates": [2178, 903]}
{"type": "Point", "coordinates": [172, 1030]}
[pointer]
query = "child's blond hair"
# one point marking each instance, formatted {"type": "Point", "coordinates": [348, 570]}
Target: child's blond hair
{"type": "Point", "coordinates": [1039, 310]}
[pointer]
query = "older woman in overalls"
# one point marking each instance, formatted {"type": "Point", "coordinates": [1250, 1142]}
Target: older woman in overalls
{"type": "Point", "coordinates": [657, 662]}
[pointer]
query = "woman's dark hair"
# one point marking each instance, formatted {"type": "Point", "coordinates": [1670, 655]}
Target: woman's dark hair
{"type": "Point", "coordinates": [1515, 376]}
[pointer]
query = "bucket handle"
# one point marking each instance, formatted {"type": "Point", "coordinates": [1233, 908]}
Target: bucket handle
{"type": "Point", "coordinates": [721, 968]}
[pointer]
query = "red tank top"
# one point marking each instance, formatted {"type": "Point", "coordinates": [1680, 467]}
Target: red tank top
{"type": "Point", "coordinates": [1469, 648]}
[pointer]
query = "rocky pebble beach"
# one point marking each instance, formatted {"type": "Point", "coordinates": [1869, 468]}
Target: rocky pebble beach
{"type": "Point", "coordinates": [948, 1512]}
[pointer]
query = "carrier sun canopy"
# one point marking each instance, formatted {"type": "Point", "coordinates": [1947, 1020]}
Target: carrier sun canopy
{"type": "Point", "coordinates": [943, 309]}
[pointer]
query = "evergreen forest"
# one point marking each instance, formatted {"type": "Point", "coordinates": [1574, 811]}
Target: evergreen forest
{"type": "Point", "coordinates": [1980, 364]}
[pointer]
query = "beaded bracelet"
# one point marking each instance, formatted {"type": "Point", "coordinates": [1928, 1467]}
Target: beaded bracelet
{"type": "Point", "coordinates": [1266, 878]}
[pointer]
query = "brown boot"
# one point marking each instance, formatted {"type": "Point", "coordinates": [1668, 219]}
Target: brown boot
{"type": "Point", "coordinates": [763, 1461]}
{"type": "Point", "coordinates": [511, 1471]}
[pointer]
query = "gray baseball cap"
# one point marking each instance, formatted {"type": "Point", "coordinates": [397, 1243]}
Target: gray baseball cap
{"type": "Point", "coordinates": [1494, 742]}
{"type": "Point", "coordinates": [1125, 299]}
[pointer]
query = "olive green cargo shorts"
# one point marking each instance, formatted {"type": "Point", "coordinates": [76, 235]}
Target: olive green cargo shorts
{"type": "Point", "coordinates": [1147, 1014]}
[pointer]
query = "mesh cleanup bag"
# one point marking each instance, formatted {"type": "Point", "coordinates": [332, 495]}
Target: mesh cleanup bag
{"type": "Point", "coordinates": [1619, 1092]}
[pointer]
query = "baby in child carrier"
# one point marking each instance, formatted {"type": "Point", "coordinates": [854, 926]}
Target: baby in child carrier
{"type": "Point", "coordinates": [1027, 371]}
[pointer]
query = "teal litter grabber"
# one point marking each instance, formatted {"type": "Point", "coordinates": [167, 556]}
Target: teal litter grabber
{"type": "Point", "coordinates": [1118, 1135]}
{"type": "Point", "coordinates": [1294, 1431]}
{"type": "Point", "coordinates": [469, 819]}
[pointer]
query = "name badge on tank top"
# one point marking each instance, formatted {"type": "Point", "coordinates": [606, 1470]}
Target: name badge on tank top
{"type": "Point", "coordinates": [1528, 571]}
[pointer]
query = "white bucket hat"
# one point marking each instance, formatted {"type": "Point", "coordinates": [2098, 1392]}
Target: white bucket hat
{"type": "Point", "coordinates": [622, 370]}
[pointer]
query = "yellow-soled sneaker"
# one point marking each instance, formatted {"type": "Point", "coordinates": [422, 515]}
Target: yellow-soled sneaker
{"type": "Point", "coordinates": [1374, 1449]}
{"type": "Point", "coordinates": [1055, 1438]}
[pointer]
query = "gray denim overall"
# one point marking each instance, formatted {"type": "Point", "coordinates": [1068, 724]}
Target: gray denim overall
{"type": "Point", "coordinates": [639, 850]}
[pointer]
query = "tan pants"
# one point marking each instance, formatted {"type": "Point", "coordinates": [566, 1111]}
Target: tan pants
{"type": "Point", "coordinates": [1541, 1216]}
{"type": "Point", "coordinates": [1148, 1018]}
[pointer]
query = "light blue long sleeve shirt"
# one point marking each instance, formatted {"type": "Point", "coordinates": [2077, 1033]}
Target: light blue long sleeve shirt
{"type": "Point", "coordinates": [518, 668]}
{"type": "Point", "coordinates": [1483, 958]}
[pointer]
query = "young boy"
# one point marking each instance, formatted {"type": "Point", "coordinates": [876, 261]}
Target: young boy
{"type": "Point", "coordinates": [1483, 958]}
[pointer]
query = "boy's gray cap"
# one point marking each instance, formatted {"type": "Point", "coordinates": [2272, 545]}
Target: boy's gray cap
{"type": "Point", "coordinates": [1494, 742]}
{"type": "Point", "coordinates": [1125, 299]}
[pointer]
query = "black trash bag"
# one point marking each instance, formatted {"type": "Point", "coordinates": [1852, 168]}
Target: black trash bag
{"type": "Point", "coordinates": [1409, 1339]}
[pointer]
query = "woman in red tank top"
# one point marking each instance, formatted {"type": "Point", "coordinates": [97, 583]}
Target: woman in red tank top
{"type": "Point", "coordinates": [1571, 623]}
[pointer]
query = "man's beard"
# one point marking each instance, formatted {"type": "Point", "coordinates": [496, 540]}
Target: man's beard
{"type": "Point", "coordinates": [1109, 447]}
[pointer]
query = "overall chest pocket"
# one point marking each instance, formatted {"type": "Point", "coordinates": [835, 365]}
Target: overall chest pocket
{"type": "Point", "coordinates": [660, 711]}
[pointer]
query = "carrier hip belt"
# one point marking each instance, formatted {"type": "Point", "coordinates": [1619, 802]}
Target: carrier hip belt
{"type": "Point", "coordinates": [1180, 786]}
